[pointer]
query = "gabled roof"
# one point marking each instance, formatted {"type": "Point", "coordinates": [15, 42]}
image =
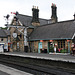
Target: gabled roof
{"type": "Point", "coordinates": [4, 33]}
{"type": "Point", "coordinates": [60, 30]}
{"type": "Point", "coordinates": [26, 20]}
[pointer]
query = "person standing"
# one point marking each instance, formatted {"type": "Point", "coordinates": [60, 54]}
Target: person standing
{"type": "Point", "coordinates": [54, 48]}
{"type": "Point", "coordinates": [73, 50]}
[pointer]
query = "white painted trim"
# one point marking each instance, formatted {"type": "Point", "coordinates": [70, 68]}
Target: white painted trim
{"type": "Point", "coordinates": [73, 36]}
{"type": "Point", "coordinates": [12, 71]}
{"type": "Point", "coordinates": [20, 23]}
{"type": "Point", "coordinates": [2, 43]}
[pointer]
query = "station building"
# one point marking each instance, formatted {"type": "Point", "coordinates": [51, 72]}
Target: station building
{"type": "Point", "coordinates": [42, 34]}
{"type": "Point", "coordinates": [4, 39]}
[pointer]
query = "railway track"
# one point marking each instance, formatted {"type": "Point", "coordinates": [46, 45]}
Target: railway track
{"type": "Point", "coordinates": [33, 66]}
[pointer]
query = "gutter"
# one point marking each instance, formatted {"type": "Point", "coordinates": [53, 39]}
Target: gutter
{"type": "Point", "coordinates": [51, 39]}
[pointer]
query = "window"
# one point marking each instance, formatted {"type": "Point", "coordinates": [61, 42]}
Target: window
{"type": "Point", "coordinates": [61, 44]}
{"type": "Point", "coordinates": [2, 39]}
{"type": "Point", "coordinates": [73, 40]}
{"type": "Point", "coordinates": [58, 44]}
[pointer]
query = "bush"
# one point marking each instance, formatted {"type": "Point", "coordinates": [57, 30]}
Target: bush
{"type": "Point", "coordinates": [51, 49]}
{"type": "Point", "coordinates": [63, 51]}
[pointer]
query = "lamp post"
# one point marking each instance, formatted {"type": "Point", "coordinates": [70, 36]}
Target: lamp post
{"type": "Point", "coordinates": [7, 19]}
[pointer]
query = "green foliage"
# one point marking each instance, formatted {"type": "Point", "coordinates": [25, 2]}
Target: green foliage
{"type": "Point", "coordinates": [51, 49]}
{"type": "Point", "coordinates": [3, 27]}
{"type": "Point", "coordinates": [63, 51]}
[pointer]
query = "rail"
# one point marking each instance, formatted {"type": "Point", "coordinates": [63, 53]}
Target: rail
{"type": "Point", "coordinates": [38, 66]}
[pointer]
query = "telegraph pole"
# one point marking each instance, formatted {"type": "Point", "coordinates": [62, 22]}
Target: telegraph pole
{"type": "Point", "coordinates": [25, 39]}
{"type": "Point", "coordinates": [7, 17]}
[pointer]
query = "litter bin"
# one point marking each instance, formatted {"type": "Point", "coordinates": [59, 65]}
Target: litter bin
{"type": "Point", "coordinates": [25, 48]}
{"type": "Point", "coordinates": [5, 50]}
{"type": "Point", "coordinates": [45, 50]}
{"type": "Point", "coordinates": [42, 50]}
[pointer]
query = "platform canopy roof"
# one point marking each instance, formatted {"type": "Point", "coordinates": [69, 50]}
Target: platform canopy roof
{"type": "Point", "coordinates": [54, 31]}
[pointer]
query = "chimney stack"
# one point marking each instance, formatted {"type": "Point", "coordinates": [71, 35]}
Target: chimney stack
{"type": "Point", "coordinates": [35, 16]}
{"type": "Point", "coordinates": [74, 16]}
{"type": "Point", "coordinates": [54, 13]}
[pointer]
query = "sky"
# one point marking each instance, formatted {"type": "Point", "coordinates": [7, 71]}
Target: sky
{"type": "Point", "coordinates": [65, 9]}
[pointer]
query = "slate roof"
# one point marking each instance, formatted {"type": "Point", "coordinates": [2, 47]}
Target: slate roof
{"type": "Point", "coordinates": [7, 32]}
{"type": "Point", "coordinates": [60, 30]}
{"type": "Point", "coordinates": [4, 33]}
{"type": "Point", "coordinates": [26, 20]}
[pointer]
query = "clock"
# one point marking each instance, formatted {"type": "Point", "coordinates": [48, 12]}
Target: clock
{"type": "Point", "coordinates": [14, 35]}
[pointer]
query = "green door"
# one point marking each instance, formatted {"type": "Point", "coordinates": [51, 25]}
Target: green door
{"type": "Point", "coordinates": [50, 47]}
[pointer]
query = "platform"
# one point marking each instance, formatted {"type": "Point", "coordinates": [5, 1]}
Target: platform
{"type": "Point", "coordinates": [66, 57]}
{"type": "Point", "coordinates": [5, 70]}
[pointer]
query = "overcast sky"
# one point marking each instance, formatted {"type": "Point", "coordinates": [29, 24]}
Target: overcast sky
{"type": "Point", "coordinates": [65, 8]}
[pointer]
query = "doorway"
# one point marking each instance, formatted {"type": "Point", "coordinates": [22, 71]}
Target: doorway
{"type": "Point", "coordinates": [40, 47]}
{"type": "Point", "coordinates": [50, 47]}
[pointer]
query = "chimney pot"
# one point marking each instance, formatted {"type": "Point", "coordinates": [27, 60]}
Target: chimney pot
{"type": "Point", "coordinates": [35, 14]}
{"type": "Point", "coordinates": [33, 6]}
{"type": "Point", "coordinates": [74, 16]}
{"type": "Point", "coordinates": [54, 5]}
{"type": "Point", "coordinates": [37, 7]}
{"type": "Point", "coordinates": [54, 12]}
